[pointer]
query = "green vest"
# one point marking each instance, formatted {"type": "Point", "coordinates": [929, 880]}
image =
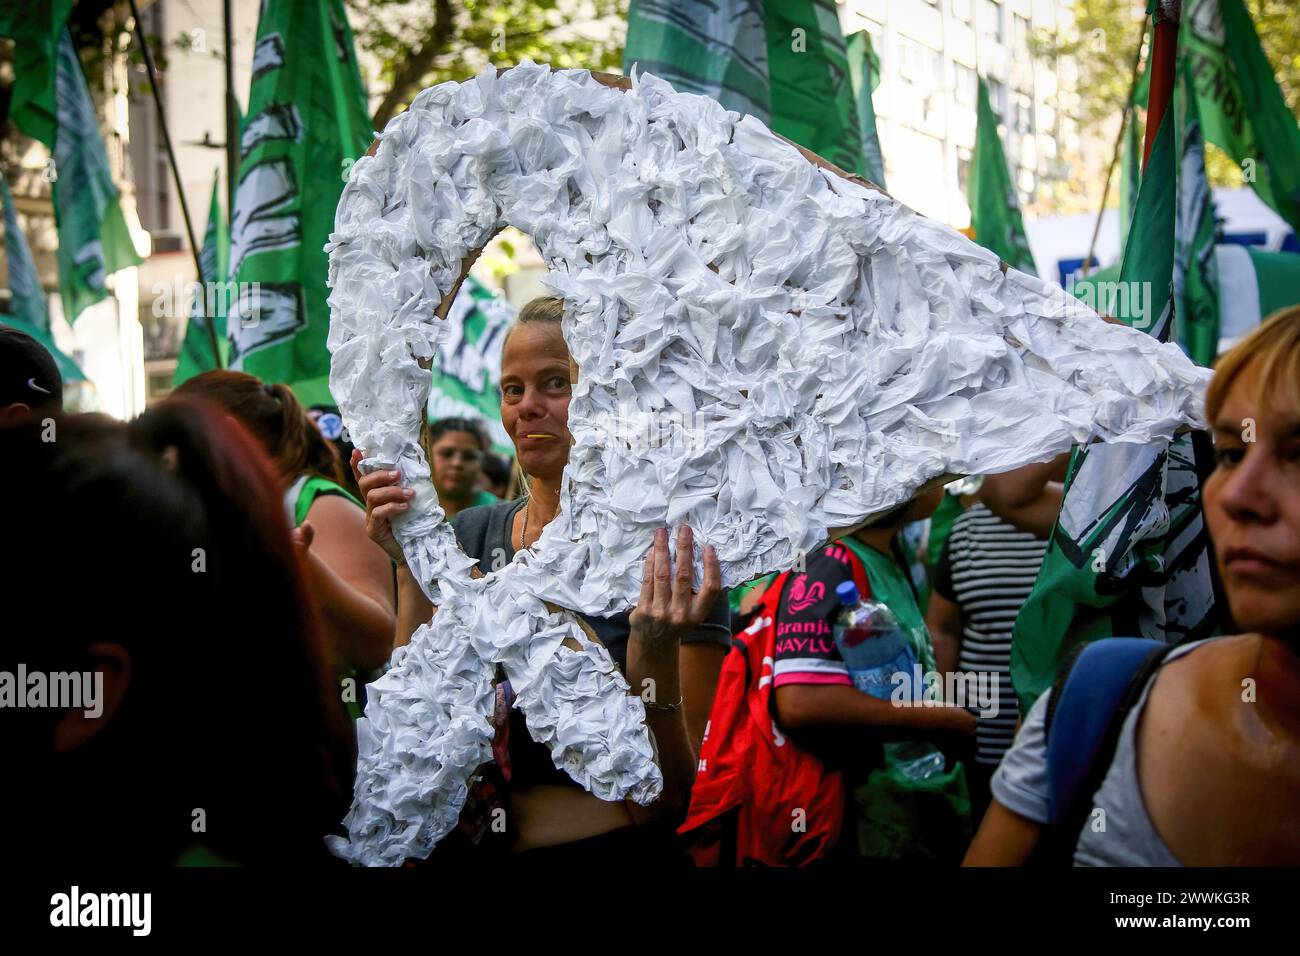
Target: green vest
{"type": "Point", "coordinates": [889, 586]}
{"type": "Point", "coordinates": [299, 496]}
{"type": "Point", "coordinates": [900, 816]}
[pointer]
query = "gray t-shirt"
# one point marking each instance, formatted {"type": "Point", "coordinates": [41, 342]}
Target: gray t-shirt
{"type": "Point", "coordinates": [484, 534]}
{"type": "Point", "coordinates": [1129, 839]}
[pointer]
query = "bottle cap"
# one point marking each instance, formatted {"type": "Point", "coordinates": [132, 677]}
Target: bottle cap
{"type": "Point", "coordinates": [847, 592]}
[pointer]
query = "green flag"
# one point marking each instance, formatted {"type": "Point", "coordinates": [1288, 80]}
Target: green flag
{"type": "Point", "coordinates": [716, 49]}
{"type": "Point", "coordinates": [784, 63]}
{"type": "Point", "coordinates": [1128, 556]}
{"type": "Point", "coordinates": [27, 310]}
{"type": "Point", "coordinates": [864, 68]}
{"type": "Point", "coordinates": [812, 93]}
{"type": "Point", "coordinates": [994, 208]}
{"type": "Point", "coordinates": [1196, 275]}
{"type": "Point", "coordinates": [1240, 104]}
{"type": "Point", "coordinates": [467, 378]}
{"type": "Point", "coordinates": [306, 124]}
{"type": "Point", "coordinates": [52, 104]}
{"type": "Point", "coordinates": [35, 29]}
{"type": "Point", "coordinates": [212, 301]}
{"type": "Point", "coordinates": [94, 241]}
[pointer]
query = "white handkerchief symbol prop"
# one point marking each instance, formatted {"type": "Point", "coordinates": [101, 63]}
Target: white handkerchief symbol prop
{"type": "Point", "coordinates": [809, 351]}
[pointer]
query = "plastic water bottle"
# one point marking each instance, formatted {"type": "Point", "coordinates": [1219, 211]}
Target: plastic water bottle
{"type": "Point", "coordinates": [875, 647]}
{"type": "Point", "coordinates": [872, 643]}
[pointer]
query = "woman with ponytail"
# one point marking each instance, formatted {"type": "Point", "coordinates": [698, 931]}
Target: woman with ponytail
{"type": "Point", "coordinates": [163, 571]}
{"type": "Point", "coordinates": [349, 576]}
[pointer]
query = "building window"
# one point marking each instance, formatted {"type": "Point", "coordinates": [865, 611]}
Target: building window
{"type": "Point", "coordinates": [919, 64]}
{"type": "Point", "coordinates": [963, 84]}
{"type": "Point", "coordinates": [963, 168]}
{"type": "Point", "coordinates": [992, 19]}
{"type": "Point", "coordinates": [998, 98]}
{"type": "Point", "coordinates": [1028, 186]}
{"type": "Point", "coordinates": [1019, 32]}
{"type": "Point", "coordinates": [1024, 113]}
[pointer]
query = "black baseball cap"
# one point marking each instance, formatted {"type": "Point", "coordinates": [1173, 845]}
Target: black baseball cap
{"type": "Point", "coordinates": [28, 374]}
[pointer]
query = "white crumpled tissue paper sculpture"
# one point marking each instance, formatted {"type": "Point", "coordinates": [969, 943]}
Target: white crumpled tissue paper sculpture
{"type": "Point", "coordinates": [811, 353]}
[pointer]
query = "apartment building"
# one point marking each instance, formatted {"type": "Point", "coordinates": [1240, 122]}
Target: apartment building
{"type": "Point", "coordinates": [931, 53]}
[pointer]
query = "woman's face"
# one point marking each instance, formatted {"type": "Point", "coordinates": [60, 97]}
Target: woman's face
{"type": "Point", "coordinates": [535, 391]}
{"type": "Point", "coordinates": [456, 462]}
{"type": "Point", "coordinates": [1252, 508]}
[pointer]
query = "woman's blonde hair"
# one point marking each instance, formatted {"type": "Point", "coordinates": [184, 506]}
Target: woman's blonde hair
{"type": "Point", "coordinates": [1275, 346]}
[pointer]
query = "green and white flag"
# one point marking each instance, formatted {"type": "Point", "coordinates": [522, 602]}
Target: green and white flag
{"type": "Point", "coordinates": [1240, 103]}
{"type": "Point", "coordinates": [51, 103]}
{"type": "Point", "coordinates": [35, 29]}
{"type": "Point", "coordinates": [212, 300]}
{"type": "Point", "coordinates": [306, 125]}
{"type": "Point", "coordinates": [781, 61]}
{"type": "Point", "coordinates": [1253, 284]}
{"type": "Point", "coordinates": [467, 378]}
{"type": "Point", "coordinates": [864, 68]}
{"type": "Point", "coordinates": [813, 102]}
{"type": "Point", "coordinates": [1129, 555]}
{"type": "Point", "coordinates": [27, 311]}
{"type": "Point", "coordinates": [1196, 273]}
{"type": "Point", "coordinates": [994, 208]}
{"type": "Point", "coordinates": [94, 241]}
{"type": "Point", "coordinates": [717, 49]}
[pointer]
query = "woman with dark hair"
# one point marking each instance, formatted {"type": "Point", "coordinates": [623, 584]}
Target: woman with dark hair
{"type": "Point", "coordinates": [456, 448]}
{"type": "Point", "coordinates": [350, 578]}
{"type": "Point", "coordinates": [673, 637]}
{"type": "Point", "coordinates": [496, 475]}
{"type": "Point", "coordinates": [164, 584]}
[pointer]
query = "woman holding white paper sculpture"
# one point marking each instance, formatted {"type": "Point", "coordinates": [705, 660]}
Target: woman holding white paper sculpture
{"type": "Point", "coordinates": [670, 647]}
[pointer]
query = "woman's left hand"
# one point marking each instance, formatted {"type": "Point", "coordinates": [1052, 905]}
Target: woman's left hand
{"type": "Point", "coordinates": [302, 537]}
{"type": "Point", "coordinates": [668, 608]}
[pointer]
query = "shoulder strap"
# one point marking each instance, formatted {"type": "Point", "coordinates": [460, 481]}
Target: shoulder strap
{"type": "Point", "coordinates": [858, 550]}
{"type": "Point", "coordinates": [292, 495]}
{"type": "Point", "coordinates": [1093, 694]}
{"type": "Point", "coordinates": [912, 618]}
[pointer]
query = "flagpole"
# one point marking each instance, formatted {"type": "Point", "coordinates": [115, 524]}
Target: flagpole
{"type": "Point", "coordinates": [171, 157]}
{"type": "Point", "coordinates": [232, 114]}
{"type": "Point", "coordinates": [1164, 49]}
{"type": "Point", "coordinates": [1125, 118]}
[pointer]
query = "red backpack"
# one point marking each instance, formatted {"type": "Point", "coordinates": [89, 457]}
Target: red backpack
{"type": "Point", "coordinates": [758, 800]}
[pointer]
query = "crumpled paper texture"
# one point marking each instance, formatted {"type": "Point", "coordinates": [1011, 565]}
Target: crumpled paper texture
{"type": "Point", "coordinates": [815, 351]}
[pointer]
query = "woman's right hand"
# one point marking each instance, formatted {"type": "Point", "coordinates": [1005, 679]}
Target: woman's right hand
{"type": "Point", "coordinates": [385, 499]}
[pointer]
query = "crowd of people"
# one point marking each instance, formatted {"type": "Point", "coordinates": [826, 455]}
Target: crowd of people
{"type": "Point", "coordinates": [231, 581]}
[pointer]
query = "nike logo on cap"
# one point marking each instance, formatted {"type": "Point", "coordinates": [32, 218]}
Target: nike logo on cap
{"type": "Point", "coordinates": [31, 383]}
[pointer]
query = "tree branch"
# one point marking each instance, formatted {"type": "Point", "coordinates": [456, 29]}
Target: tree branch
{"type": "Point", "coordinates": [407, 78]}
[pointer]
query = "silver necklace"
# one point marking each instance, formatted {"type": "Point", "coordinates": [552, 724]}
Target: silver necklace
{"type": "Point", "coordinates": [523, 534]}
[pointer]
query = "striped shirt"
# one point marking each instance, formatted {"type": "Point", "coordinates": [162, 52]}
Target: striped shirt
{"type": "Point", "coordinates": [987, 569]}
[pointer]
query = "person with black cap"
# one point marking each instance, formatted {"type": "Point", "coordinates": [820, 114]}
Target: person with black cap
{"type": "Point", "coordinates": [30, 386]}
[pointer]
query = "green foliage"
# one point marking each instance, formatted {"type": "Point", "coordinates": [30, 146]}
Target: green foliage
{"type": "Point", "coordinates": [1102, 44]}
{"type": "Point", "coordinates": [419, 45]}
